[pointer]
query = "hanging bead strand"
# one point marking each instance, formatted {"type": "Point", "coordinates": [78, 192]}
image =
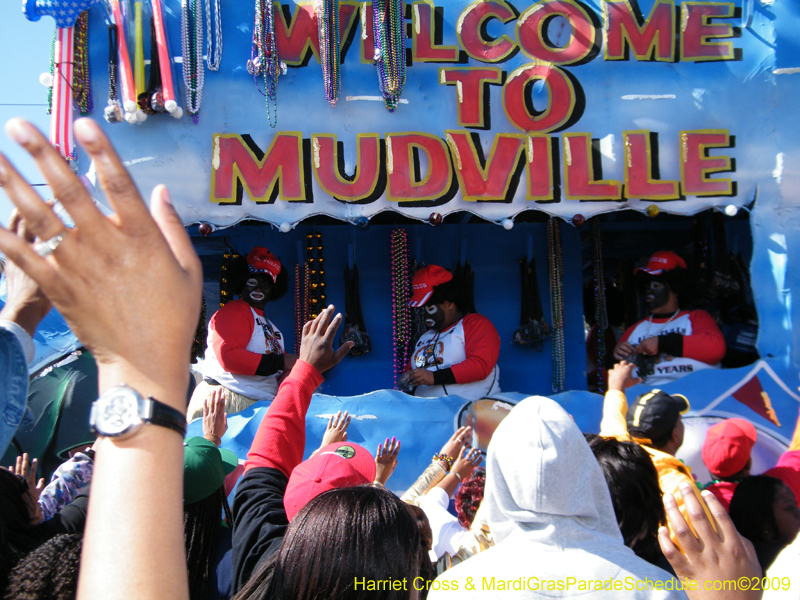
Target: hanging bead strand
{"type": "Point", "coordinates": [113, 111]}
{"type": "Point", "coordinates": [264, 57]}
{"type": "Point", "coordinates": [557, 302]}
{"type": "Point", "coordinates": [214, 51]}
{"type": "Point", "coordinates": [298, 310]}
{"type": "Point", "coordinates": [192, 50]}
{"type": "Point", "coordinates": [329, 55]}
{"type": "Point", "coordinates": [82, 85]}
{"type": "Point", "coordinates": [401, 294]}
{"type": "Point", "coordinates": [389, 27]}
{"type": "Point", "coordinates": [600, 312]}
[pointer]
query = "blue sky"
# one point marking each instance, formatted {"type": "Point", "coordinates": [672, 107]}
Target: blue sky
{"type": "Point", "coordinates": [26, 55]}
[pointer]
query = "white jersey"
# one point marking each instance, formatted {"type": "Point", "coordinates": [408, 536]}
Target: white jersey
{"type": "Point", "coordinates": [257, 387]}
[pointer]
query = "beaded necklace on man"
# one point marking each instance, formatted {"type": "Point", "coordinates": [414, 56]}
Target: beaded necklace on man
{"type": "Point", "coordinates": [647, 334]}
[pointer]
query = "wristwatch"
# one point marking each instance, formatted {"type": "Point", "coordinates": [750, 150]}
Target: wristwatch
{"type": "Point", "coordinates": [121, 411]}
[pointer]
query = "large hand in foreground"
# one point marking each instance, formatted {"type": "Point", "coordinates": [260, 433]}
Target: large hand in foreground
{"type": "Point", "coordinates": [128, 285]}
{"type": "Point", "coordinates": [316, 347]}
{"type": "Point", "coordinates": [712, 557]}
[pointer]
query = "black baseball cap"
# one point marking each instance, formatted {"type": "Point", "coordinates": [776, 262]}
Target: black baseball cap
{"type": "Point", "coordinates": [654, 415]}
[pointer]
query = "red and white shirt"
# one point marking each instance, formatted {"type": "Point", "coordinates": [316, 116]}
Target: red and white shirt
{"type": "Point", "coordinates": [237, 339]}
{"type": "Point", "coordinates": [470, 349]}
{"type": "Point", "coordinates": [703, 344]}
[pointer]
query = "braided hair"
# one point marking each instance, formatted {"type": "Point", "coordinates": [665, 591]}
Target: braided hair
{"type": "Point", "coordinates": [50, 572]}
{"type": "Point", "coordinates": [201, 529]}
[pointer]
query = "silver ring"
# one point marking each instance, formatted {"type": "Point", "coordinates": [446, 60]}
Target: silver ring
{"type": "Point", "coordinates": [46, 247]}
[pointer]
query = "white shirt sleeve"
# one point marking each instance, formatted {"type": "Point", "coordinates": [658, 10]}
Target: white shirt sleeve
{"type": "Point", "coordinates": [447, 531]}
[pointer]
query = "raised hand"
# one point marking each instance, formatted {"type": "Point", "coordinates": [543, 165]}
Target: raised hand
{"type": "Point", "coordinates": [710, 556]}
{"type": "Point", "coordinates": [621, 376]}
{"type": "Point", "coordinates": [336, 431]}
{"type": "Point", "coordinates": [215, 419]}
{"type": "Point", "coordinates": [107, 274]}
{"type": "Point", "coordinates": [386, 460]}
{"type": "Point", "coordinates": [466, 463]}
{"type": "Point", "coordinates": [26, 304]}
{"type": "Point", "coordinates": [452, 447]}
{"type": "Point", "coordinates": [316, 347]}
{"type": "Point", "coordinates": [26, 468]}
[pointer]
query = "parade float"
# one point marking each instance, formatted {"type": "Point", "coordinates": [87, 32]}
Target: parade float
{"type": "Point", "coordinates": [545, 148]}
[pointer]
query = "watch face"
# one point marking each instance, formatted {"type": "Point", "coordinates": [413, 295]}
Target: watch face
{"type": "Point", "coordinates": [116, 412]}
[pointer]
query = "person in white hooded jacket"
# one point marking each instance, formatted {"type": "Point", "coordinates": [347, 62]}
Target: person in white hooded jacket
{"type": "Point", "coordinates": [550, 512]}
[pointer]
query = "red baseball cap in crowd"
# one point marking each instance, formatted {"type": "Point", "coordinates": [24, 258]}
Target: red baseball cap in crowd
{"type": "Point", "coordinates": [728, 445]}
{"type": "Point", "coordinates": [427, 278]}
{"type": "Point", "coordinates": [665, 260]}
{"type": "Point", "coordinates": [338, 465]}
{"type": "Point", "coordinates": [261, 260]}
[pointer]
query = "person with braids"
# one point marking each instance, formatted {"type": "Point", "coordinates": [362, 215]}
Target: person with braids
{"type": "Point", "coordinates": [50, 572]}
{"type": "Point", "coordinates": [208, 541]}
{"type": "Point", "coordinates": [245, 352]}
{"type": "Point", "coordinates": [20, 528]}
{"type": "Point", "coordinates": [458, 353]}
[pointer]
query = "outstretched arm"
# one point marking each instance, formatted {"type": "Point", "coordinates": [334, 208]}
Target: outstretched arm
{"type": "Point", "coordinates": [129, 286]}
{"type": "Point", "coordinates": [281, 437]}
{"type": "Point", "coordinates": [615, 404]}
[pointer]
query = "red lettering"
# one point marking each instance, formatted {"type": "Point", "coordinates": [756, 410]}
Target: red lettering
{"type": "Point", "coordinates": [698, 30]}
{"type": "Point", "coordinates": [424, 47]}
{"type": "Point", "coordinates": [367, 35]}
{"type": "Point", "coordinates": [579, 180]}
{"type": "Point", "coordinates": [469, 84]}
{"type": "Point", "coordinates": [540, 168]}
{"type": "Point", "coordinates": [301, 35]}
{"type": "Point", "coordinates": [532, 30]}
{"type": "Point", "coordinates": [403, 153]}
{"type": "Point", "coordinates": [561, 98]}
{"type": "Point", "coordinates": [234, 163]}
{"type": "Point", "coordinates": [325, 162]}
{"type": "Point", "coordinates": [490, 182]}
{"type": "Point", "coordinates": [639, 182]}
{"type": "Point", "coordinates": [697, 165]}
{"type": "Point", "coordinates": [654, 39]}
{"type": "Point", "coordinates": [471, 29]}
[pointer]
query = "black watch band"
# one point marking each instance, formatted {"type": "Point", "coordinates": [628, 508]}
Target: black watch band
{"type": "Point", "coordinates": [159, 413]}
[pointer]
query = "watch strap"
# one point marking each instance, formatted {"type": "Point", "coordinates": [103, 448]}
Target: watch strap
{"type": "Point", "coordinates": [159, 413]}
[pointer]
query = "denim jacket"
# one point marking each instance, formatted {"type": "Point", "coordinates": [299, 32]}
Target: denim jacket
{"type": "Point", "coordinates": [16, 351]}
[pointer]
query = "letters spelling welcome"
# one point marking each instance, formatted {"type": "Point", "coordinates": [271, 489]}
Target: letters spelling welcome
{"type": "Point", "coordinates": [389, 167]}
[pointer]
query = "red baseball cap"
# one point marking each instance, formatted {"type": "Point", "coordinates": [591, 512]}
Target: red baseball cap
{"type": "Point", "coordinates": [427, 278]}
{"type": "Point", "coordinates": [728, 445]}
{"type": "Point", "coordinates": [338, 465]}
{"type": "Point", "coordinates": [665, 260]}
{"type": "Point", "coordinates": [261, 260]}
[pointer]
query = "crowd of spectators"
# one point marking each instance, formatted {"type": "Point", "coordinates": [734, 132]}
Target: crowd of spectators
{"type": "Point", "coordinates": [146, 514]}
